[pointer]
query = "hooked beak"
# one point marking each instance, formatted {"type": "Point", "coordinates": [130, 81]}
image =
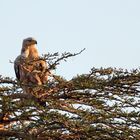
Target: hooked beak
{"type": "Point", "coordinates": [35, 42]}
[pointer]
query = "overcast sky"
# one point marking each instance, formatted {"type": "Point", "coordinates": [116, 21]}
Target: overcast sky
{"type": "Point", "coordinates": [108, 29]}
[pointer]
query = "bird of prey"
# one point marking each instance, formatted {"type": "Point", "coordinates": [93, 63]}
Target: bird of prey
{"type": "Point", "coordinates": [30, 70]}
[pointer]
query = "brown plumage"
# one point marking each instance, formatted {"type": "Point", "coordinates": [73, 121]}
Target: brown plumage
{"type": "Point", "coordinates": [30, 70]}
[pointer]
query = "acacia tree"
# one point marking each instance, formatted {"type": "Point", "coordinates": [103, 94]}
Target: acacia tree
{"type": "Point", "coordinates": [101, 105]}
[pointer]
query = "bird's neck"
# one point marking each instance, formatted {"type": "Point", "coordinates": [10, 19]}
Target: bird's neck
{"type": "Point", "coordinates": [25, 53]}
{"type": "Point", "coordinates": [33, 53]}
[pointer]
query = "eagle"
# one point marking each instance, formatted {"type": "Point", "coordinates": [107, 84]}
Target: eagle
{"type": "Point", "coordinates": [30, 70]}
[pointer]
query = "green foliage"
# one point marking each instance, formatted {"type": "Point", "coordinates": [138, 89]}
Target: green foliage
{"type": "Point", "coordinates": [101, 105]}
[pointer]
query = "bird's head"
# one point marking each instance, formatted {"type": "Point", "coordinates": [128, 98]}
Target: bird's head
{"type": "Point", "coordinates": [28, 48]}
{"type": "Point", "coordinates": [29, 41]}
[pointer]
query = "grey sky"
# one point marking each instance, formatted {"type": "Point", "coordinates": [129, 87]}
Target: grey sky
{"type": "Point", "coordinates": [108, 29]}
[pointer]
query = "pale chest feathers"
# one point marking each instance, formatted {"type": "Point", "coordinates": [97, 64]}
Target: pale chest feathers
{"type": "Point", "coordinates": [33, 53]}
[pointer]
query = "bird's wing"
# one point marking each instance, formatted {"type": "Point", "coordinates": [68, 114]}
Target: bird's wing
{"type": "Point", "coordinates": [21, 69]}
{"type": "Point", "coordinates": [17, 67]}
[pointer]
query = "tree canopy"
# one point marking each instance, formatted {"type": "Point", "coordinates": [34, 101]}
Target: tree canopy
{"type": "Point", "coordinates": [103, 104]}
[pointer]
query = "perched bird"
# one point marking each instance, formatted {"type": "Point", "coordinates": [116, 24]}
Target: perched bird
{"type": "Point", "coordinates": [30, 70]}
